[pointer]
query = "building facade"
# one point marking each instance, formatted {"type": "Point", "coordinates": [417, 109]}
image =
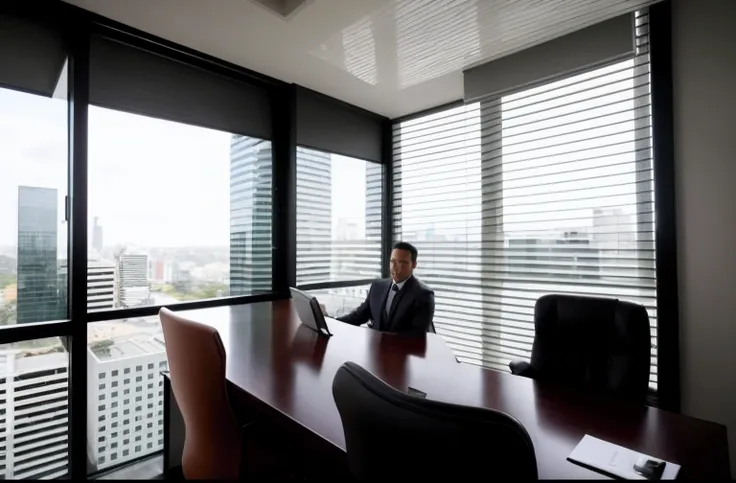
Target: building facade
{"type": "Point", "coordinates": [34, 426]}
{"type": "Point", "coordinates": [133, 287]}
{"type": "Point", "coordinates": [101, 285]}
{"type": "Point", "coordinates": [38, 276]}
{"type": "Point", "coordinates": [124, 399]}
{"type": "Point", "coordinates": [251, 173]}
{"type": "Point", "coordinates": [313, 215]}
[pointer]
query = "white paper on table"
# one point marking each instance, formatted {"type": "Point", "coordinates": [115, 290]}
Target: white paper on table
{"type": "Point", "coordinates": [615, 459]}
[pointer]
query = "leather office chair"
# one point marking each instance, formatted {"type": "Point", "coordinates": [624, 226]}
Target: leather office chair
{"type": "Point", "coordinates": [213, 443]}
{"type": "Point", "coordinates": [392, 436]}
{"type": "Point", "coordinates": [594, 343]}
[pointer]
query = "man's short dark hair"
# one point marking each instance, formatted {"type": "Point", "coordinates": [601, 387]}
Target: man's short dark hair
{"type": "Point", "coordinates": [409, 248]}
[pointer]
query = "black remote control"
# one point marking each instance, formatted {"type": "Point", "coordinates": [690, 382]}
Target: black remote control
{"type": "Point", "coordinates": [649, 469]}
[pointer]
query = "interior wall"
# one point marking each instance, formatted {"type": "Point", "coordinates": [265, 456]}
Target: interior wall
{"type": "Point", "coordinates": [704, 78]}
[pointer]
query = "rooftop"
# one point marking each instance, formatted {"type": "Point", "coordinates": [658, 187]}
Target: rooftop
{"type": "Point", "coordinates": [127, 348]}
{"type": "Point", "coordinates": [41, 362]}
{"type": "Point", "coordinates": [31, 363]}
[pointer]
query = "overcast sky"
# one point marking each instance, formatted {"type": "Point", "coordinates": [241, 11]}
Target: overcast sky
{"type": "Point", "coordinates": [152, 183]}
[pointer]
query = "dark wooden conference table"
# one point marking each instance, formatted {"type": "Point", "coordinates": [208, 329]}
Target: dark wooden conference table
{"type": "Point", "coordinates": [286, 370]}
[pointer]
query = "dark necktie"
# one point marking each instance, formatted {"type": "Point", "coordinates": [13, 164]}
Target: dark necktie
{"type": "Point", "coordinates": [392, 299]}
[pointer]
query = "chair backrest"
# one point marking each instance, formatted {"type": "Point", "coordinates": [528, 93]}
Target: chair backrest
{"type": "Point", "coordinates": [212, 445]}
{"type": "Point", "coordinates": [392, 436]}
{"type": "Point", "coordinates": [595, 343]}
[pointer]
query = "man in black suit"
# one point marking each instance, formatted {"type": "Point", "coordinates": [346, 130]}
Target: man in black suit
{"type": "Point", "coordinates": [399, 304]}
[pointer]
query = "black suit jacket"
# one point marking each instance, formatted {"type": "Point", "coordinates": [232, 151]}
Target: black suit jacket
{"type": "Point", "coordinates": [412, 312]}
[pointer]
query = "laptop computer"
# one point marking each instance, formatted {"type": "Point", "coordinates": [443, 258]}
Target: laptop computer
{"type": "Point", "coordinates": [310, 313]}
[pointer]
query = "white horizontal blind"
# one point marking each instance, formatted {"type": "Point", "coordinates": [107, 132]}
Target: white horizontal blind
{"type": "Point", "coordinates": [547, 190]}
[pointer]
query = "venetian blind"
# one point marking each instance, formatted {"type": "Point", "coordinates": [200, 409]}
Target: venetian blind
{"type": "Point", "coordinates": [544, 190]}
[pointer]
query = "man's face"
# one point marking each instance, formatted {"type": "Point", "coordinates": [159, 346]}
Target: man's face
{"type": "Point", "coordinates": [401, 265]}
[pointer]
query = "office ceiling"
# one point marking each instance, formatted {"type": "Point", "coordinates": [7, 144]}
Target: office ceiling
{"type": "Point", "coordinates": [393, 57]}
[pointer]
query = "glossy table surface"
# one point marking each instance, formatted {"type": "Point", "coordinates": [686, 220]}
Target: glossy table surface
{"type": "Point", "coordinates": [286, 366]}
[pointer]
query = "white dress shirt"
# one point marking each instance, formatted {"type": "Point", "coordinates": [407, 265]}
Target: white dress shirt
{"type": "Point", "coordinates": [392, 294]}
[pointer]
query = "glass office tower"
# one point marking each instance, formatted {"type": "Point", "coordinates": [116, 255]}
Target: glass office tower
{"type": "Point", "coordinates": [314, 215]}
{"type": "Point", "coordinates": [250, 215]}
{"type": "Point", "coordinates": [38, 281]}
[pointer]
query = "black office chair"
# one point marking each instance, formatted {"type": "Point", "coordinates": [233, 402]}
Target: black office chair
{"type": "Point", "coordinates": [598, 344]}
{"type": "Point", "coordinates": [392, 436]}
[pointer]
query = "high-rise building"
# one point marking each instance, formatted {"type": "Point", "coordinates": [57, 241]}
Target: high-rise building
{"type": "Point", "coordinates": [373, 201]}
{"type": "Point", "coordinates": [250, 215]}
{"type": "Point", "coordinates": [133, 289]}
{"type": "Point", "coordinates": [100, 285]}
{"type": "Point", "coordinates": [38, 277]}
{"type": "Point", "coordinates": [367, 257]}
{"type": "Point", "coordinates": [314, 215]}
{"type": "Point", "coordinates": [157, 271]}
{"type": "Point", "coordinates": [125, 399]}
{"type": "Point", "coordinates": [97, 241]}
{"type": "Point", "coordinates": [34, 428]}
{"type": "Point", "coordinates": [570, 254]}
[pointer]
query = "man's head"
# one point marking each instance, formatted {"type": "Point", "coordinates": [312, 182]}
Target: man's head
{"type": "Point", "coordinates": [403, 261]}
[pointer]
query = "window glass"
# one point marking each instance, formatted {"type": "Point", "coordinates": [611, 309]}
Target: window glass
{"type": "Point", "coordinates": [176, 212]}
{"type": "Point", "coordinates": [546, 190]}
{"type": "Point", "coordinates": [33, 189]}
{"type": "Point", "coordinates": [338, 217]}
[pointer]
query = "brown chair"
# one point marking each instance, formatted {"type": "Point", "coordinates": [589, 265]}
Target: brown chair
{"type": "Point", "coordinates": [213, 443]}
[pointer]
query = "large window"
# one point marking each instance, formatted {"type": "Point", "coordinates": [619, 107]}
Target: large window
{"type": "Point", "coordinates": [179, 209]}
{"type": "Point", "coordinates": [34, 267]}
{"type": "Point", "coordinates": [33, 188]}
{"type": "Point", "coordinates": [338, 232]}
{"type": "Point", "coordinates": [546, 190]}
{"type": "Point", "coordinates": [176, 212]}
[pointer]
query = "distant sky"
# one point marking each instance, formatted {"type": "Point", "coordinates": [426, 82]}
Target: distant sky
{"type": "Point", "coordinates": [33, 152]}
{"type": "Point", "coordinates": [152, 183]}
{"type": "Point", "coordinates": [158, 183]}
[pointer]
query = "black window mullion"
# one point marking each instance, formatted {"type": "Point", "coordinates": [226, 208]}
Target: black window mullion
{"type": "Point", "coordinates": [387, 199]}
{"type": "Point", "coordinates": [78, 111]}
{"type": "Point", "coordinates": [284, 189]}
{"type": "Point", "coordinates": [23, 332]}
{"type": "Point", "coordinates": [660, 38]}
